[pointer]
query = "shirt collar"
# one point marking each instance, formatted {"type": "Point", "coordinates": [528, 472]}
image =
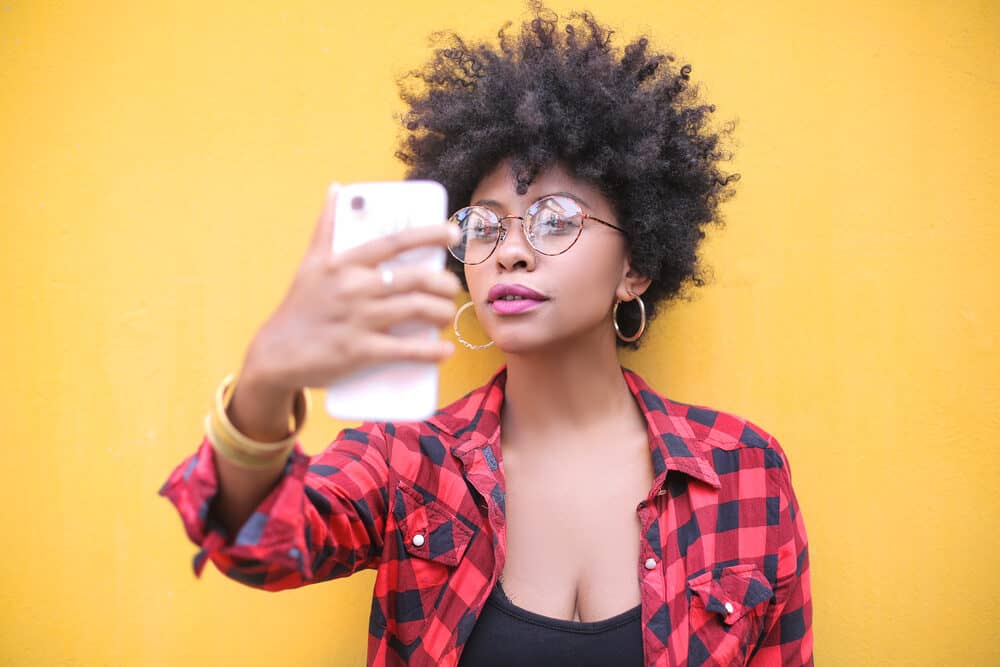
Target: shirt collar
{"type": "Point", "coordinates": [475, 420]}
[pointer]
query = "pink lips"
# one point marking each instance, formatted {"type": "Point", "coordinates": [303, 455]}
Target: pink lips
{"type": "Point", "coordinates": [513, 307]}
{"type": "Point", "coordinates": [529, 299]}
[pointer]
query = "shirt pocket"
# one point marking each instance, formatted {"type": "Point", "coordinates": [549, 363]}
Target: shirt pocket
{"type": "Point", "coordinates": [433, 542]}
{"type": "Point", "coordinates": [726, 606]}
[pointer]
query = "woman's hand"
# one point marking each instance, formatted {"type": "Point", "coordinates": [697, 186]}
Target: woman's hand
{"type": "Point", "coordinates": [334, 318]}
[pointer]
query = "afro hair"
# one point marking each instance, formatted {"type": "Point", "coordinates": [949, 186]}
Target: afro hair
{"type": "Point", "coordinates": [628, 121]}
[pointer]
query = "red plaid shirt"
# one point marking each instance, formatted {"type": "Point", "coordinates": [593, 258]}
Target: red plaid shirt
{"type": "Point", "coordinates": [723, 566]}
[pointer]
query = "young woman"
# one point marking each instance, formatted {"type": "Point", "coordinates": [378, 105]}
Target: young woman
{"type": "Point", "coordinates": [564, 513]}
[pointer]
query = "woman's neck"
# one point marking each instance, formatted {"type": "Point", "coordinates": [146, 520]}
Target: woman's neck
{"type": "Point", "coordinates": [576, 389]}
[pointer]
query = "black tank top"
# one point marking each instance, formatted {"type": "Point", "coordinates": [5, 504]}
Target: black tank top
{"type": "Point", "coordinates": [506, 635]}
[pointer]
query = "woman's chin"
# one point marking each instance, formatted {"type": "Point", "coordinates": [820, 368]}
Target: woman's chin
{"type": "Point", "coordinates": [526, 343]}
{"type": "Point", "coordinates": [516, 343]}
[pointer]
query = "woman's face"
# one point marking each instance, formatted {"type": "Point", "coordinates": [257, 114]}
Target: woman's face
{"type": "Point", "coordinates": [578, 287]}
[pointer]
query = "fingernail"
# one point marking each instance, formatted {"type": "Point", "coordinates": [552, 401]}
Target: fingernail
{"type": "Point", "coordinates": [332, 190]}
{"type": "Point", "coordinates": [454, 234]}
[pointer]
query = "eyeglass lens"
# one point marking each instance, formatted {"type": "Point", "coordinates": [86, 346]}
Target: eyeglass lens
{"type": "Point", "coordinates": [551, 226]}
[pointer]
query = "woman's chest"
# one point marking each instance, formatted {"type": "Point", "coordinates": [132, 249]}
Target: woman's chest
{"type": "Point", "coordinates": [573, 534]}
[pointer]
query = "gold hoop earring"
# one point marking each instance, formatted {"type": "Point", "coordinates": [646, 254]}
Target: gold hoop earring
{"type": "Point", "coordinates": [642, 323]}
{"type": "Point", "coordinates": [458, 335]}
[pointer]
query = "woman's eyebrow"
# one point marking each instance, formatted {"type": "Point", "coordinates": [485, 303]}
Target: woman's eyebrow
{"type": "Point", "coordinates": [495, 204]}
{"type": "Point", "coordinates": [487, 202]}
{"type": "Point", "coordinates": [572, 196]}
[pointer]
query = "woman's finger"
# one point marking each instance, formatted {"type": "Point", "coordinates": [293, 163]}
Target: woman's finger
{"type": "Point", "coordinates": [380, 314]}
{"type": "Point", "coordinates": [387, 247]}
{"type": "Point", "coordinates": [322, 238]}
{"type": "Point", "coordinates": [419, 279]}
{"type": "Point", "coordinates": [380, 348]}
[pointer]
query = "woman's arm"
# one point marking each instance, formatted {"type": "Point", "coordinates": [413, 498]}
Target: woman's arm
{"type": "Point", "coordinates": [322, 517]}
{"type": "Point", "coordinates": [319, 517]}
{"type": "Point", "coordinates": [260, 413]}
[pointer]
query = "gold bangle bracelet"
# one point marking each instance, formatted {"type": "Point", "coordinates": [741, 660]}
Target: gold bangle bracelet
{"type": "Point", "coordinates": [301, 407]}
{"type": "Point", "coordinates": [239, 448]}
{"type": "Point", "coordinates": [239, 457]}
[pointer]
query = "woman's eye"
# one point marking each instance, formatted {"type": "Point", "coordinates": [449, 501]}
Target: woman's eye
{"type": "Point", "coordinates": [482, 230]}
{"type": "Point", "coordinates": [553, 223]}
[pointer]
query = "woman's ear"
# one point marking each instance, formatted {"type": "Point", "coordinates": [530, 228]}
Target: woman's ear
{"type": "Point", "coordinates": [631, 285]}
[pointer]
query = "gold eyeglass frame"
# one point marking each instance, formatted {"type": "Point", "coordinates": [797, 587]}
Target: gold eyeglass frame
{"type": "Point", "coordinates": [503, 230]}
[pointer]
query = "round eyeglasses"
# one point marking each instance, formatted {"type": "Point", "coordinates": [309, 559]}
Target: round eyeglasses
{"type": "Point", "coordinates": [551, 225]}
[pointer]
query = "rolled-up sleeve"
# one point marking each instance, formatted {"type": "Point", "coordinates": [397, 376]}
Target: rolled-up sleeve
{"type": "Point", "coordinates": [324, 518]}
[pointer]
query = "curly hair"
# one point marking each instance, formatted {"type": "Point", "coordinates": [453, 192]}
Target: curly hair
{"type": "Point", "coordinates": [628, 122]}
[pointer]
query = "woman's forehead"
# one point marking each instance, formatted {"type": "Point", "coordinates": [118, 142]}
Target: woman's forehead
{"type": "Point", "coordinates": [498, 188]}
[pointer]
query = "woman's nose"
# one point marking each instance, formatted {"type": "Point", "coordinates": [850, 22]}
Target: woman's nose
{"type": "Point", "coordinates": [513, 245]}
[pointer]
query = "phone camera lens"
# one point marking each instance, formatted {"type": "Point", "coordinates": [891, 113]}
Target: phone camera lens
{"type": "Point", "coordinates": [357, 203]}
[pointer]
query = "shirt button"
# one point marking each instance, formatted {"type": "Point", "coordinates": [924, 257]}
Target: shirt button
{"type": "Point", "coordinates": [650, 563]}
{"type": "Point", "coordinates": [729, 607]}
{"type": "Point", "coordinates": [418, 540]}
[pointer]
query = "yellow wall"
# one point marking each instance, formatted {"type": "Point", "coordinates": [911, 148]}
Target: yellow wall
{"type": "Point", "coordinates": [161, 168]}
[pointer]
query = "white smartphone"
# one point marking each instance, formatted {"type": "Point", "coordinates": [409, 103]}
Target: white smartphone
{"type": "Point", "coordinates": [398, 391]}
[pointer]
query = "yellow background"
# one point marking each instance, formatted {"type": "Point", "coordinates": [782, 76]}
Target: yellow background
{"type": "Point", "coordinates": [161, 169]}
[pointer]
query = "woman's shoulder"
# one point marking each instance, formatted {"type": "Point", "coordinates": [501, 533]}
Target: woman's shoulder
{"type": "Point", "coordinates": [725, 429]}
{"type": "Point", "coordinates": [718, 430]}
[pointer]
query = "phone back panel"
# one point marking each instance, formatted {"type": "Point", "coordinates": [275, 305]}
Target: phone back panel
{"type": "Point", "coordinates": [398, 391]}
